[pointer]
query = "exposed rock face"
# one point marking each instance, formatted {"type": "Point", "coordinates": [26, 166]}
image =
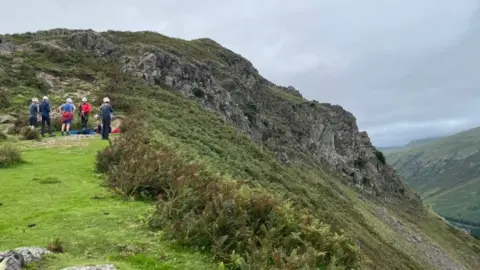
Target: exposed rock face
{"type": "Point", "coordinates": [7, 119]}
{"type": "Point", "coordinates": [7, 47]}
{"type": "Point", "coordinates": [19, 258]}
{"type": "Point", "coordinates": [277, 117]}
{"type": "Point", "coordinates": [91, 41]}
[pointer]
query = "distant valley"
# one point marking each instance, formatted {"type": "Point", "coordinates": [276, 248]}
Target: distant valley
{"type": "Point", "coordinates": [445, 171]}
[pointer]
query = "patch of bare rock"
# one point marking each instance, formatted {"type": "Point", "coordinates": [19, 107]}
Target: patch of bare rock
{"type": "Point", "coordinates": [19, 258]}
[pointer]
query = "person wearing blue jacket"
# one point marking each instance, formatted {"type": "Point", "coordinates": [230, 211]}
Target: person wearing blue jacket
{"type": "Point", "coordinates": [33, 110]}
{"type": "Point", "coordinates": [45, 113]}
{"type": "Point", "coordinates": [105, 115]}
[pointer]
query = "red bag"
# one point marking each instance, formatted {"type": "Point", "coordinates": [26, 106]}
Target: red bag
{"type": "Point", "coordinates": [67, 116]}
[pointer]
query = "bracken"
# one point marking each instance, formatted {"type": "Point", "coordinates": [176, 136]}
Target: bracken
{"type": "Point", "coordinates": [245, 227]}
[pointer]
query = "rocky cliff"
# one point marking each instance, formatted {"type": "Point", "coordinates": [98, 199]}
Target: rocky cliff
{"type": "Point", "coordinates": [273, 116]}
{"type": "Point", "coordinates": [172, 76]}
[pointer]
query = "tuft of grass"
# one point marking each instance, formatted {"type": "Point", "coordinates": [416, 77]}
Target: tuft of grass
{"type": "Point", "coordinates": [9, 155]}
{"type": "Point", "coordinates": [49, 180]}
{"type": "Point", "coordinates": [29, 134]}
{"type": "Point", "coordinates": [56, 246]}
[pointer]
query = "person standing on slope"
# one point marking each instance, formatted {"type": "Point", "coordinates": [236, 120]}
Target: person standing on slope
{"type": "Point", "coordinates": [67, 110]}
{"type": "Point", "coordinates": [32, 119]}
{"type": "Point", "coordinates": [45, 113]}
{"type": "Point", "coordinates": [105, 115]}
{"type": "Point", "coordinates": [84, 110]}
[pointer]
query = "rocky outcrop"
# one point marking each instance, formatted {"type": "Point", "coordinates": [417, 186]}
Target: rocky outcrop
{"type": "Point", "coordinates": [7, 119]}
{"type": "Point", "coordinates": [7, 47]}
{"type": "Point", "coordinates": [19, 258]}
{"type": "Point", "coordinates": [277, 117]}
{"type": "Point", "coordinates": [93, 41]}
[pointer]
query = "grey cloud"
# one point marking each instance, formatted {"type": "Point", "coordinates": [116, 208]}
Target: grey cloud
{"type": "Point", "coordinates": [406, 69]}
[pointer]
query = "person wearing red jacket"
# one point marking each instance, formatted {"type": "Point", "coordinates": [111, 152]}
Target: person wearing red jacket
{"type": "Point", "coordinates": [84, 110]}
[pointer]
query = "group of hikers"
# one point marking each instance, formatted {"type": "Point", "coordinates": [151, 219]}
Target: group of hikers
{"type": "Point", "coordinates": [67, 111]}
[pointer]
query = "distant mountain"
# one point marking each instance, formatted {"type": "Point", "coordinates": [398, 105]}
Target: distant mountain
{"type": "Point", "coordinates": [409, 144]}
{"type": "Point", "coordinates": [445, 171]}
{"type": "Point", "coordinates": [422, 141]}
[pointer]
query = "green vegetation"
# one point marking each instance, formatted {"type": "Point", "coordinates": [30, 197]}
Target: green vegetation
{"type": "Point", "coordinates": [229, 218]}
{"type": "Point", "coordinates": [29, 134]}
{"type": "Point", "coordinates": [3, 136]}
{"type": "Point", "coordinates": [446, 173]}
{"type": "Point", "coordinates": [193, 189]}
{"type": "Point", "coordinates": [9, 155]}
{"type": "Point", "coordinates": [380, 156]}
{"type": "Point", "coordinates": [55, 200]}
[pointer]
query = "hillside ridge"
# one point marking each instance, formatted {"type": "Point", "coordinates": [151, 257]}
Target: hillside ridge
{"type": "Point", "coordinates": [278, 118]}
{"type": "Point", "coordinates": [213, 107]}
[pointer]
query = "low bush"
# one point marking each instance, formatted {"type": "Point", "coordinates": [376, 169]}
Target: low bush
{"type": "Point", "coordinates": [20, 123]}
{"type": "Point", "coordinates": [29, 134]}
{"type": "Point", "coordinates": [56, 246]}
{"type": "Point", "coordinates": [133, 122]}
{"type": "Point", "coordinates": [241, 225]}
{"type": "Point", "coordinates": [4, 98]}
{"type": "Point", "coordinates": [3, 136]}
{"type": "Point", "coordinates": [9, 155]}
{"type": "Point", "coordinates": [380, 156]}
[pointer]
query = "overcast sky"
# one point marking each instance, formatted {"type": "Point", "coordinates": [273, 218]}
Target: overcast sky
{"type": "Point", "coordinates": [407, 69]}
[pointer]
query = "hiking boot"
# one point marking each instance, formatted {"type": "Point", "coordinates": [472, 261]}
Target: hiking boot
{"type": "Point", "coordinates": [43, 135]}
{"type": "Point", "coordinates": [68, 133]}
{"type": "Point", "coordinates": [52, 135]}
{"type": "Point", "coordinates": [63, 134]}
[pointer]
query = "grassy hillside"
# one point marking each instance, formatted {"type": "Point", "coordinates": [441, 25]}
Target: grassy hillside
{"type": "Point", "coordinates": [446, 172]}
{"type": "Point", "coordinates": [214, 191]}
{"type": "Point", "coordinates": [56, 194]}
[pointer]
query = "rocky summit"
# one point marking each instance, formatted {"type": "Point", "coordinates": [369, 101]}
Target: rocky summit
{"type": "Point", "coordinates": [200, 100]}
{"type": "Point", "coordinates": [276, 117]}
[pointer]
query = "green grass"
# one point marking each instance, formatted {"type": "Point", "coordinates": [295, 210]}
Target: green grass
{"type": "Point", "coordinates": [445, 171]}
{"type": "Point", "coordinates": [62, 207]}
{"type": "Point", "coordinates": [54, 191]}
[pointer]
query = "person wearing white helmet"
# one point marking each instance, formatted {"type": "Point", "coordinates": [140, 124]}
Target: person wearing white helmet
{"type": "Point", "coordinates": [45, 113]}
{"type": "Point", "coordinates": [67, 110]}
{"type": "Point", "coordinates": [84, 111]}
{"type": "Point", "coordinates": [34, 110]}
{"type": "Point", "coordinates": [105, 115]}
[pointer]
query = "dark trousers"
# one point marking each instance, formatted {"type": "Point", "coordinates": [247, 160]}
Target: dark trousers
{"type": "Point", "coordinates": [32, 120]}
{"type": "Point", "coordinates": [84, 120]}
{"type": "Point", "coordinates": [106, 128]}
{"type": "Point", "coordinates": [47, 121]}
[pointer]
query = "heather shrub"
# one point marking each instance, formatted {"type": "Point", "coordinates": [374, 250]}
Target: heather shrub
{"type": "Point", "coordinates": [29, 134]}
{"type": "Point", "coordinates": [243, 226]}
{"type": "Point", "coordinates": [9, 155]}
